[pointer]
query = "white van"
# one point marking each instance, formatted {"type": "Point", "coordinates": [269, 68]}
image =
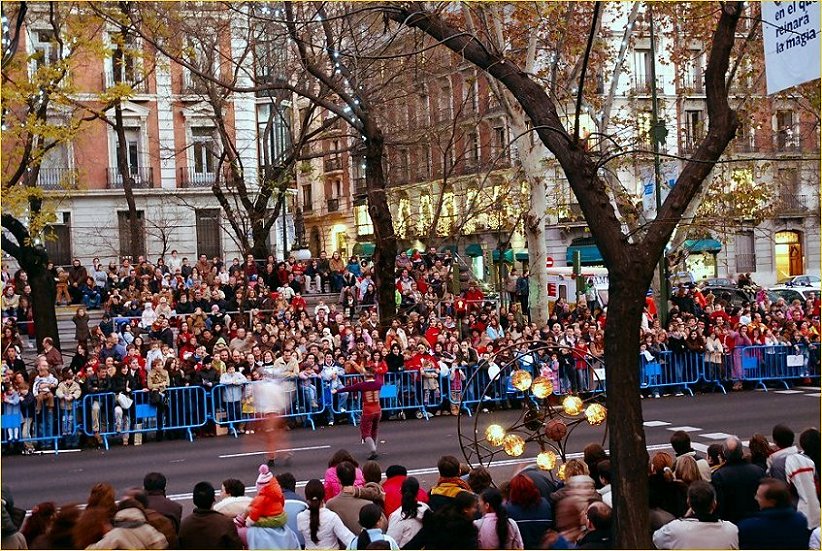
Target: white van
{"type": "Point", "coordinates": [562, 284]}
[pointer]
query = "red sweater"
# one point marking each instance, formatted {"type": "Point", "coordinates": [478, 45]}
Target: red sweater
{"type": "Point", "coordinates": [370, 395]}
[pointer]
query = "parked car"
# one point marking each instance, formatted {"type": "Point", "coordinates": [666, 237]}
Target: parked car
{"type": "Point", "coordinates": [717, 282]}
{"type": "Point", "coordinates": [734, 295]}
{"type": "Point", "coordinates": [804, 280]}
{"type": "Point", "coordinates": [791, 294]}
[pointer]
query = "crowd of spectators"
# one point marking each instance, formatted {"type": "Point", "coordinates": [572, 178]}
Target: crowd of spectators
{"type": "Point", "coordinates": [175, 324]}
{"type": "Point", "coordinates": [763, 498]}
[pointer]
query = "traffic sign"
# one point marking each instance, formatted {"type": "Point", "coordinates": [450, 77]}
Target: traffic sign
{"type": "Point", "coordinates": [549, 262]}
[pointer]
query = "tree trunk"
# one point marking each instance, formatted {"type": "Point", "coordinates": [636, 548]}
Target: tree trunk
{"type": "Point", "coordinates": [134, 228]}
{"type": "Point", "coordinates": [34, 262]}
{"type": "Point", "coordinates": [385, 255]}
{"type": "Point", "coordinates": [537, 253]}
{"type": "Point", "coordinates": [626, 435]}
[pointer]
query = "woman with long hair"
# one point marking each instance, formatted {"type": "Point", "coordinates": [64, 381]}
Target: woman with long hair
{"type": "Point", "coordinates": [529, 510]}
{"type": "Point", "coordinates": [372, 522]}
{"type": "Point", "coordinates": [496, 530]}
{"type": "Point", "coordinates": [320, 527]}
{"type": "Point", "coordinates": [405, 522]}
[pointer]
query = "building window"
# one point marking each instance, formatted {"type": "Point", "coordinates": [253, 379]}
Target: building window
{"type": "Point", "coordinates": [45, 48]}
{"type": "Point", "coordinates": [308, 200]}
{"type": "Point", "coordinates": [208, 232]}
{"type": "Point", "coordinates": [362, 219]}
{"type": "Point", "coordinates": [57, 240]}
{"type": "Point", "coordinates": [126, 70]}
{"type": "Point", "coordinates": [55, 168]}
{"type": "Point", "coordinates": [694, 129]}
{"type": "Point", "coordinates": [134, 159]}
{"type": "Point", "coordinates": [693, 71]}
{"type": "Point", "coordinates": [423, 110]}
{"type": "Point", "coordinates": [274, 133]}
{"type": "Point", "coordinates": [745, 252]}
{"type": "Point", "coordinates": [472, 152]}
{"type": "Point", "coordinates": [787, 138]}
{"type": "Point", "coordinates": [643, 61]}
{"type": "Point", "coordinates": [125, 228]}
{"type": "Point", "coordinates": [469, 93]}
{"type": "Point", "coordinates": [499, 144]}
{"type": "Point", "coordinates": [445, 114]}
{"type": "Point", "coordinates": [204, 152]}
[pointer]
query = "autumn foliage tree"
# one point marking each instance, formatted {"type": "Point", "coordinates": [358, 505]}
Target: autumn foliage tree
{"type": "Point", "coordinates": [630, 257]}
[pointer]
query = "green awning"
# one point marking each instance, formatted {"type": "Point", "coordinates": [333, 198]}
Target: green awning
{"type": "Point", "coordinates": [473, 250]}
{"type": "Point", "coordinates": [364, 249]}
{"type": "Point", "coordinates": [703, 245]}
{"type": "Point", "coordinates": [411, 252]}
{"type": "Point", "coordinates": [452, 248]}
{"type": "Point", "coordinates": [507, 256]}
{"type": "Point", "coordinates": [522, 257]}
{"type": "Point", "coordinates": [589, 252]}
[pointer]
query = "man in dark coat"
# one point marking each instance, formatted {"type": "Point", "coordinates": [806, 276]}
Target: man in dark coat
{"type": "Point", "coordinates": [777, 525]}
{"type": "Point", "coordinates": [155, 486]}
{"type": "Point", "coordinates": [205, 528]}
{"type": "Point", "coordinates": [736, 483]}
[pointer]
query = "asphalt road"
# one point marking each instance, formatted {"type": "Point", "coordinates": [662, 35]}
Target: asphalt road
{"type": "Point", "coordinates": [68, 476]}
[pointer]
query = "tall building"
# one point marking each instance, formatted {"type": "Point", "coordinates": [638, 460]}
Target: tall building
{"type": "Point", "coordinates": [453, 178]}
{"type": "Point", "coordinates": [173, 150]}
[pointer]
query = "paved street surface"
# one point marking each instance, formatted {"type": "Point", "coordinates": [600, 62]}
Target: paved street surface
{"type": "Point", "coordinates": [416, 444]}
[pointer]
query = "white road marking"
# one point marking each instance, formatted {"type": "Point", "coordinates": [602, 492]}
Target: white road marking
{"type": "Point", "coordinates": [814, 394]}
{"type": "Point", "coordinates": [307, 448]}
{"type": "Point", "coordinates": [686, 428]}
{"type": "Point", "coordinates": [787, 392]}
{"type": "Point", "coordinates": [656, 423]}
{"type": "Point", "coordinates": [716, 435]}
{"type": "Point", "coordinates": [699, 447]}
{"type": "Point", "coordinates": [808, 387]}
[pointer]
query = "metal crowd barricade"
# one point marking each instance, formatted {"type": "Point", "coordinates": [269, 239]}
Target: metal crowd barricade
{"type": "Point", "coordinates": [760, 364]}
{"type": "Point", "coordinates": [47, 425]}
{"type": "Point", "coordinates": [233, 405]}
{"type": "Point", "coordinates": [667, 369]}
{"type": "Point", "coordinates": [183, 408]}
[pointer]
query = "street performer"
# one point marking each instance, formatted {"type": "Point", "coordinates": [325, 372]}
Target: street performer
{"type": "Point", "coordinates": [371, 410]}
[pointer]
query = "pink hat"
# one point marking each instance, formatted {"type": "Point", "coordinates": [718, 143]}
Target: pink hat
{"type": "Point", "coordinates": [265, 476]}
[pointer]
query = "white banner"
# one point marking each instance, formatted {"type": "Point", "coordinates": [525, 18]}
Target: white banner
{"type": "Point", "coordinates": [791, 37]}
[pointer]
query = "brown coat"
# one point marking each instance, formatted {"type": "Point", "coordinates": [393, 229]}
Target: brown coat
{"type": "Point", "coordinates": [208, 529]}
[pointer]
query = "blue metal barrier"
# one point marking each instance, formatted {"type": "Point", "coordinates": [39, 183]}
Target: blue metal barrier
{"type": "Point", "coordinates": [667, 369]}
{"type": "Point", "coordinates": [233, 405]}
{"type": "Point", "coordinates": [48, 425]}
{"type": "Point", "coordinates": [183, 408]}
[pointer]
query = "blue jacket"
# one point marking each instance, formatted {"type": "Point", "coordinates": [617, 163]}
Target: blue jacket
{"type": "Point", "coordinates": [781, 528]}
{"type": "Point", "coordinates": [533, 522]}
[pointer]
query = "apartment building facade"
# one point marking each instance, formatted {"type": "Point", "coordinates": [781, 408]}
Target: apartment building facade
{"type": "Point", "coordinates": [172, 154]}
{"type": "Point", "coordinates": [451, 153]}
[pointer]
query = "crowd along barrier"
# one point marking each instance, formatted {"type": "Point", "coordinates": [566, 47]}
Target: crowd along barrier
{"type": "Point", "coordinates": [237, 405]}
{"type": "Point", "coordinates": [186, 408]}
{"type": "Point", "coordinates": [108, 415]}
{"type": "Point", "coordinates": [45, 427]}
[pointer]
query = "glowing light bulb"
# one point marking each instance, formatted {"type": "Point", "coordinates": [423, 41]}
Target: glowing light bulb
{"type": "Point", "coordinates": [572, 405]}
{"type": "Point", "coordinates": [546, 460]}
{"type": "Point", "coordinates": [542, 387]}
{"type": "Point", "coordinates": [595, 413]}
{"type": "Point", "coordinates": [513, 445]}
{"type": "Point", "coordinates": [521, 380]}
{"type": "Point", "coordinates": [495, 434]}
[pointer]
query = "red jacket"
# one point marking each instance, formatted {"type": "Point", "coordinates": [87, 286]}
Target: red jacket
{"type": "Point", "coordinates": [393, 496]}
